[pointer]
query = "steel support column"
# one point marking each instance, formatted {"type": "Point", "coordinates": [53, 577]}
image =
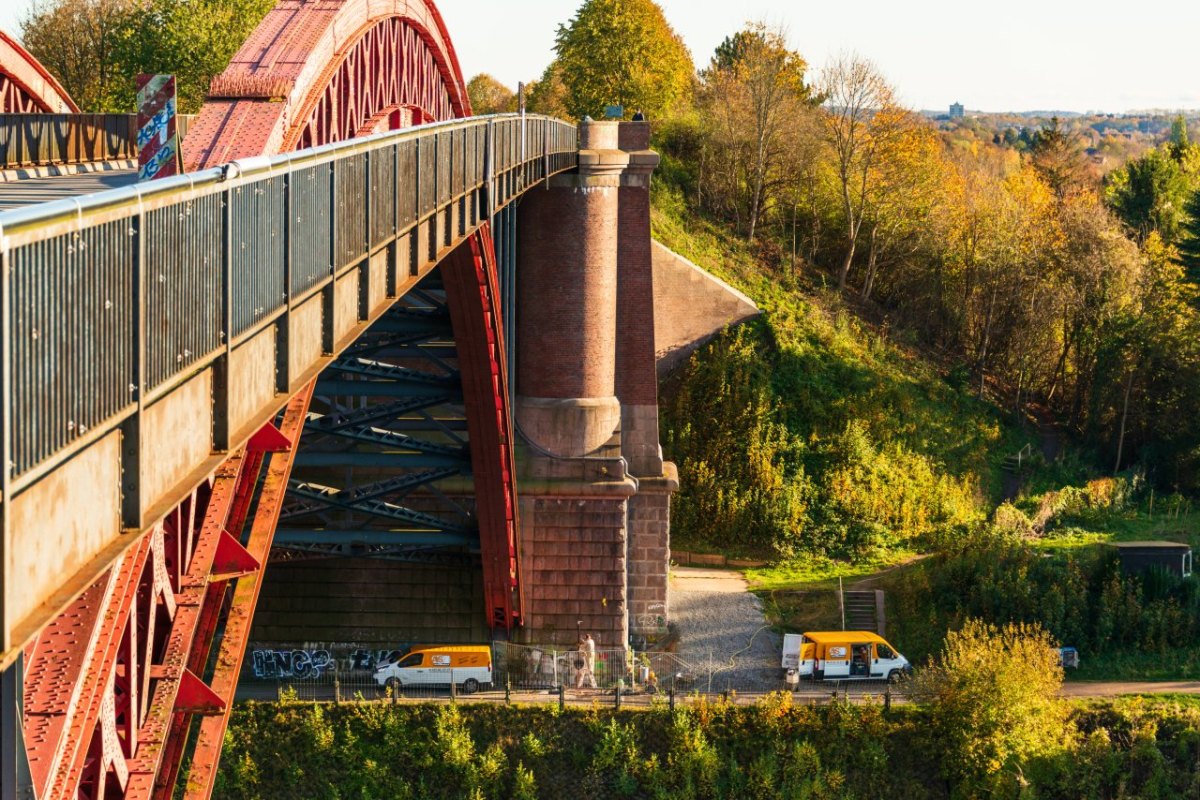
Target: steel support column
{"type": "Point", "coordinates": [469, 274]}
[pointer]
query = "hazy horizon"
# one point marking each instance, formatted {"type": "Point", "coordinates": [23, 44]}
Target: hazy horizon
{"type": "Point", "coordinates": [929, 49]}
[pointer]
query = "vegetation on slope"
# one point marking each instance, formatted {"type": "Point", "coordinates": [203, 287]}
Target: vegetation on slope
{"type": "Point", "coordinates": [1130, 748]}
{"type": "Point", "coordinates": [810, 431]}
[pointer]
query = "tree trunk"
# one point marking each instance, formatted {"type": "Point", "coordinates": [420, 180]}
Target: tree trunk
{"type": "Point", "coordinates": [872, 256]}
{"type": "Point", "coordinates": [1124, 416]}
{"type": "Point", "coordinates": [844, 272]}
{"type": "Point", "coordinates": [987, 336]}
{"type": "Point", "coordinates": [795, 204]}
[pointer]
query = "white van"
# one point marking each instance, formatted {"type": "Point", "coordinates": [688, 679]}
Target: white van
{"type": "Point", "coordinates": [841, 655]}
{"type": "Point", "coordinates": [469, 667]}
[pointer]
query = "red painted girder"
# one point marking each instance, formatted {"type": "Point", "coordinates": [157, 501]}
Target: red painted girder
{"type": "Point", "coordinates": [211, 736]}
{"type": "Point", "coordinates": [472, 294]}
{"type": "Point", "coordinates": [316, 71]}
{"type": "Point", "coordinates": [227, 488]}
{"type": "Point", "coordinates": [84, 643]}
{"type": "Point", "coordinates": [208, 614]}
{"type": "Point", "coordinates": [26, 86]}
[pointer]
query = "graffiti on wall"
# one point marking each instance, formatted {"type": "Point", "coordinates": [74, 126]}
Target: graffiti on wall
{"type": "Point", "coordinates": [363, 659]}
{"type": "Point", "coordinates": [291, 663]}
{"type": "Point", "coordinates": [275, 661]}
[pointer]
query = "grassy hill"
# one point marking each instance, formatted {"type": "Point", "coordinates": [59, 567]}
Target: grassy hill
{"type": "Point", "coordinates": [825, 440]}
{"type": "Point", "coordinates": [816, 430]}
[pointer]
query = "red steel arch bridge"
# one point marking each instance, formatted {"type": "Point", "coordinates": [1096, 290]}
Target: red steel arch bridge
{"type": "Point", "coordinates": [304, 348]}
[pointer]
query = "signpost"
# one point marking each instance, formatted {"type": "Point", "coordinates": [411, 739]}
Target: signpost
{"type": "Point", "coordinates": [158, 142]}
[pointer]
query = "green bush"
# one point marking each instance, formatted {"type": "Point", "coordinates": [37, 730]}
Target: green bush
{"type": "Point", "coordinates": [705, 751]}
{"type": "Point", "coordinates": [1081, 597]}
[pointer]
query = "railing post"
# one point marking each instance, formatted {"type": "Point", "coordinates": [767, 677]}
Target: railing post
{"type": "Point", "coordinates": [562, 696]}
{"type": "Point", "coordinates": [393, 248]}
{"type": "Point", "coordinates": [671, 699]}
{"type": "Point", "coordinates": [364, 268]}
{"type": "Point", "coordinates": [283, 378]}
{"type": "Point", "coordinates": [6, 447]}
{"type": "Point", "coordinates": [221, 378]}
{"type": "Point", "coordinates": [131, 432]}
{"type": "Point", "coordinates": [327, 294]}
{"type": "Point", "coordinates": [489, 169]}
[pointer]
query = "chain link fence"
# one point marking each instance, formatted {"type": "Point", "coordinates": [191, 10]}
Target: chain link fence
{"type": "Point", "coordinates": [341, 672]}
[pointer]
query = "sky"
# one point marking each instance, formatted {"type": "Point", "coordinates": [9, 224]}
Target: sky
{"type": "Point", "coordinates": [1066, 55]}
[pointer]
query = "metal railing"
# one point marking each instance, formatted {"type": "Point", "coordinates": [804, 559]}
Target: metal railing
{"type": "Point", "coordinates": [110, 301]}
{"type": "Point", "coordinates": [34, 140]}
{"type": "Point", "coordinates": [522, 673]}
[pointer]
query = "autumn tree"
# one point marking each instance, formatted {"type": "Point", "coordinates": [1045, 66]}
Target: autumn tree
{"type": "Point", "coordinates": [1150, 194]}
{"type": "Point", "coordinates": [907, 179]}
{"type": "Point", "coordinates": [191, 39]}
{"type": "Point", "coordinates": [98, 47]}
{"type": "Point", "coordinates": [858, 115]}
{"type": "Point", "coordinates": [490, 96]}
{"type": "Point", "coordinates": [756, 105]}
{"type": "Point", "coordinates": [548, 94]}
{"type": "Point", "coordinates": [622, 52]}
{"type": "Point", "coordinates": [1058, 155]}
{"type": "Point", "coordinates": [77, 40]}
{"type": "Point", "coordinates": [992, 699]}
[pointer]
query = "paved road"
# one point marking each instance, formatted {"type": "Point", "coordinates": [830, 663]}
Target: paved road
{"type": "Point", "coordinates": [14, 194]}
{"type": "Point", "coordinates": [1118, 688]}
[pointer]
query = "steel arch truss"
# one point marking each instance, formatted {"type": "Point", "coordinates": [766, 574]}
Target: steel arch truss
{"type": "Point", "coordinates": [407, 454]}
{"type": "Point", "coordinates": [385, 467]}
{"type": "Point", "coordinates": [389, 79]}
{"type": "Point", "coordinates": [113, 684]}
{"type": "Point", "coordinates": [313, 73]}
{"type": "Point", "coordinates": [26, 87]}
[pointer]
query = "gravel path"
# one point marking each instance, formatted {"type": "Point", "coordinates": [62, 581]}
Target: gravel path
{"type": "Point", "coordinates": [718, 619]}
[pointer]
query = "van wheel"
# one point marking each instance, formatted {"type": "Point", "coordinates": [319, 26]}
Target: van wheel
{"type": "Point", "coordinates": [470, 686]}
{"type": "Point", "coordinates": [395, 685]}
{"type": "Point", "coordinates": [894, 676]}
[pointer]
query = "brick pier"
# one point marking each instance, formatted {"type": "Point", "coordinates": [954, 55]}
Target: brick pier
{"type": "Point", "coordinates": [595, 492]}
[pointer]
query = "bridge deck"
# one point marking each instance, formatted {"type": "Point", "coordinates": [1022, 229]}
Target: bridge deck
{"type": "Point", "coordinates": [147, 335]}
{"type": "Point", "coordinates": [27, 192]}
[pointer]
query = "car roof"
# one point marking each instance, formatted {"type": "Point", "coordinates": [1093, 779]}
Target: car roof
{"type": "Point", "coordinates": [826, 637]}
{"type": "Point", "coordinates": [450, 648]}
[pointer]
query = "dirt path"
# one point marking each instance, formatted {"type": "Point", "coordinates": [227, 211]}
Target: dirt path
{"type": "Point", "coordinates": [722, 630]}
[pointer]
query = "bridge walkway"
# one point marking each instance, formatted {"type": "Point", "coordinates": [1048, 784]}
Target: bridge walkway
{"type": "Point", "coordinates": [31, 191]}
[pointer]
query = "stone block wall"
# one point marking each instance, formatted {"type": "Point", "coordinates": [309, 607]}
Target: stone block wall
{"type": "Point", "coordinates": [648, 556]}
{"type": "Point", "coordinates": [371, 601]}
{"type": "Point", "coordinates": [573, 564]}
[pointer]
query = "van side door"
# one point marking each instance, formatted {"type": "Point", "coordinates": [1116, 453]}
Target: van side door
{"type": "Point", "coordinates": [439, 668]}
{"type": "Point", "coordinates": [837, 661]}
{"type": "Point", "coordinates": [408, 669]}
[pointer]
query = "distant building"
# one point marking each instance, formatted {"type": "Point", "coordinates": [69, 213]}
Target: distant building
{"type": "Point", "coordinates": [956, 111]}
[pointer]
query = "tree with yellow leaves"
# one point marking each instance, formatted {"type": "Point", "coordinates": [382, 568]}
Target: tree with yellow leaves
{"type": "Point", "coordinates": [992, 699]}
